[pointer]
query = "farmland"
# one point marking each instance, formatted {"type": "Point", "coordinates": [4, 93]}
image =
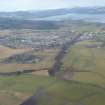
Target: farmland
{"type": "Point", "coordinates": [80, 78]}
{"type": "Point", "coordinates": [87, 59]}
{"type": "Point", "coordinates": [17, 89]}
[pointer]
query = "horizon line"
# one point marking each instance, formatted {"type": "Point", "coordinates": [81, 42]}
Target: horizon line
{"type": "Point", "coordinates": [38, 10]}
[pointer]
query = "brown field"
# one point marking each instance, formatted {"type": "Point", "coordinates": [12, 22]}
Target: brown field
{"type": "Point", "coordinates": [42, 72]}
{"type": "Point", "coordinates": [7, 52]}
{"type": "Point", "coordinates": [48, 61]}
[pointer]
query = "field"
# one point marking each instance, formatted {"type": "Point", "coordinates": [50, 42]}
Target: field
{"type": "Point", "coordinates": [53, 91]}
{"type": "Point", "coordinates": [46, 62]}
{"type": "Point", "coordinates": [86, 59]}
{"type": "Point", "coordinates": [6, 52]}
{"type": "Point", "coordinates": [81, 79]}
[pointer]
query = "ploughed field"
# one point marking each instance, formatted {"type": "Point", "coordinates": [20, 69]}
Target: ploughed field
{"type": "Point", "coordinates": [80, 79]}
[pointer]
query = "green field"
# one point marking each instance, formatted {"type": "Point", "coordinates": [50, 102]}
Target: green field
{"type": "Point", "coordinates": [13, 90]}
{"type": "Point", "coordinates": [81, 80]}
{"type": "Point", "coordinates": [87, 60]}
{"type": "Point", "coordinates": [84, 86]}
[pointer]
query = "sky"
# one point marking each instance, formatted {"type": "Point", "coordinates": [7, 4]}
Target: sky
{"type": "Point", "coordinates": [16, 5]}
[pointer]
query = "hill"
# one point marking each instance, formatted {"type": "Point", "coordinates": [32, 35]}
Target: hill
{"type": "Point", "coordinates": [52, 12]}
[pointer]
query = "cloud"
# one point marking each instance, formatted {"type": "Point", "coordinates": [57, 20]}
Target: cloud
{"type": "Point", "coordinates": [12, 5]}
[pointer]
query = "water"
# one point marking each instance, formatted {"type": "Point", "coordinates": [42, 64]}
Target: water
{"type": "Point", "coordinates": [74, 16]}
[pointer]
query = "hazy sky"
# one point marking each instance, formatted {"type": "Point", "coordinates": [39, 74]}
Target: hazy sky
{"type": "Point", "coordinates": [13, 5]}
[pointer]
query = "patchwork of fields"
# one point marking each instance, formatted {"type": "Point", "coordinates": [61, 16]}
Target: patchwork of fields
{"type": "Point", "coordinates": [80, 80]}
{"type": "Point", "coordinates": [54, 91]}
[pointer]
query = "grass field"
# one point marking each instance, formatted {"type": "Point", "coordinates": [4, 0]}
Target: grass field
{"type": "Point", "coordinates": [87, 60]}
{"type": "Point", "coordinates": [80, 82]}
{"type": "Point", "coordinates": [55, 92]}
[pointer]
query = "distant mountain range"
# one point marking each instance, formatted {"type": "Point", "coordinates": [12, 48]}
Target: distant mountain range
{"type": "Point", "coordinates": [36, 19]}
{"type": "Point", "coordinates": [53, 12]}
